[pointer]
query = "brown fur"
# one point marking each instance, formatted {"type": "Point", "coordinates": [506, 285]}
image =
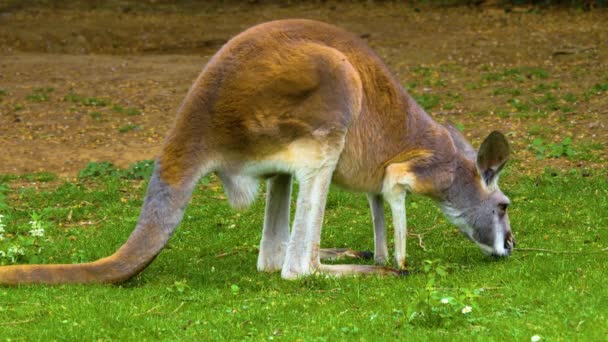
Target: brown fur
{"type": "Point", "coordinates": [268, 87]}
{"type": "Point", "coordinates": [280, 92]}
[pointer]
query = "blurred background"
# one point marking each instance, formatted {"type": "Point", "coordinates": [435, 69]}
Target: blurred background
{"type": "Point", "coordinates": [100, 80]}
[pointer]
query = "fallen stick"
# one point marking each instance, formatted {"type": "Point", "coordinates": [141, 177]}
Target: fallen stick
{"type": "Point", "coordinates": [559, 252]}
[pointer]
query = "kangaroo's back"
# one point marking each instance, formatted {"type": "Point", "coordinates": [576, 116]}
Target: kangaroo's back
{"type": "Point", "coordinates": [249, 89]}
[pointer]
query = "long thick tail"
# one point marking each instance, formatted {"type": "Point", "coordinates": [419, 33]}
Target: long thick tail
{"type": "Point", "coordinates": [161, 213]}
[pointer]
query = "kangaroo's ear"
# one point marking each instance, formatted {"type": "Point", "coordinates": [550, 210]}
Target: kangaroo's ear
{"type": "Point", "coordinates": [461, 142]}
{"type": "Point", "coordinates": [493, 154]}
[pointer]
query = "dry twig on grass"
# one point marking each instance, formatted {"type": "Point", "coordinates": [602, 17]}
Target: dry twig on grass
{"type": "Point", "coordinates": [560, 252]}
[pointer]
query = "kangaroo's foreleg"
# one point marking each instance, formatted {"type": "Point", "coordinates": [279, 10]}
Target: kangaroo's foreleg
{"type": "Point", "coordinates": [275, 235]}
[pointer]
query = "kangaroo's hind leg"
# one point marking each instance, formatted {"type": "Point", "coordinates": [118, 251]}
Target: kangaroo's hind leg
{"type": "Point", "coordinates": [380, 247]}
{"type": "Point", "coordinates": [302, 257]}
{"type": "Point", "coordinates": [275, 235]}
{"type": "Point", "coordinates": [342, 253]}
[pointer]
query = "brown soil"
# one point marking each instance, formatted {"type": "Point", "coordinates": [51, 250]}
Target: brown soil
{"type": "Point", "coordinates": [145, 58]}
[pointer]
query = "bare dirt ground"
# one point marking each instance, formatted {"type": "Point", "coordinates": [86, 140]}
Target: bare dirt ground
{"type": "Point", "coordinates": [86, 83]}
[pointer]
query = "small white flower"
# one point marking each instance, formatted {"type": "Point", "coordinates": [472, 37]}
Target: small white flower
{"type": "Point", "coordinates": [467, 309]}
{"type": "Point", "coordinates": [37, 229]}
{"type": "Point", "coordinates": [444, 301]}
{"type": "Point", "coordinates": [16, 250]}
{"type": "Point", "coordinates": [37, 232]}
{"type": "Point", "coordinates": [13, 253]}
{"type": "Point", "coordinates": [535, 338]}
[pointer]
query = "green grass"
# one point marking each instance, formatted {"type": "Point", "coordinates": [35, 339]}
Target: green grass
{"type": "Point", "coordinates": [39, 94]}
{"type": "Point", "coordinates": [86, 101]}
{"type": "Point", "coordinates": [515, 74]}
{"type": "Point", "coordinates": [204, 285]}
{"type": "Point", "coordinates": [127, 111]}
{"type": "Point", "coordinates": [427, 101]}
{"type": "Point", "coordinates": [581, 151]}
{"type": "Point", "coordinates": [128, 128]}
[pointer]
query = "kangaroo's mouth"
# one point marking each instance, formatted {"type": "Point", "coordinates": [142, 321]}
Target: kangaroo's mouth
{"type": "Point", "coordinates": [497, 251]}
{"type": "Point", "coordinates": [509, 244]}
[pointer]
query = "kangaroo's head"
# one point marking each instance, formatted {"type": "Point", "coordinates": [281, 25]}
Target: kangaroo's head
{"type": "Point", "coordinates": [474, 202]}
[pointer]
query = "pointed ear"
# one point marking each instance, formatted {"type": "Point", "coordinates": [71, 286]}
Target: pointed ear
{"type": "Point", "coordinates": [492, 156]}
{"type": "Point", "coordinates": [461, 142]}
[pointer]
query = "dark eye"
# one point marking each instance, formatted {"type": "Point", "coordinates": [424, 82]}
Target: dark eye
{"type": "Point", "coordinates": [502, 209]}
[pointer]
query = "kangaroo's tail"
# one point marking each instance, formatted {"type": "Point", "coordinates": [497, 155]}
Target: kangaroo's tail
{"type": "Point", "coordinates": [161, 213]}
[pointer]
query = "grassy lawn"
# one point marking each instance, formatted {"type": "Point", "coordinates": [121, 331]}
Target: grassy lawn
{"type": "Point", "coordinates": [103, 86]}
{"type": "Point", "coordinates": [204, 285]}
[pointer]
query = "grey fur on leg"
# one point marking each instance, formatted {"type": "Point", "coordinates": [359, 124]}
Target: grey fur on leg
{"type": "Point", "coordinates": [397, 204]}
{"type": "Point", "coordinates": [275, 235]}
{"type": "Point", "coordinates": [302, 257]}
{"type": "Point", "coordinates": [380, 246]}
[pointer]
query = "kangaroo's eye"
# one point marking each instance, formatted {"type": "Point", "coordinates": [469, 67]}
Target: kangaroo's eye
{"type": "Point", "coordinates": [502, 209]}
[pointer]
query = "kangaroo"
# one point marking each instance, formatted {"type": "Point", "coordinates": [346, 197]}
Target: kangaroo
{"type": "Point", "coordinates": [306, 100]}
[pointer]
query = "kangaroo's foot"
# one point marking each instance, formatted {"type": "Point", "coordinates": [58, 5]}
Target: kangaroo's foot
{"type": "Point", "coordinates": [341, 253]}
{"type": "Point", "coordinates": [340, 270]}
